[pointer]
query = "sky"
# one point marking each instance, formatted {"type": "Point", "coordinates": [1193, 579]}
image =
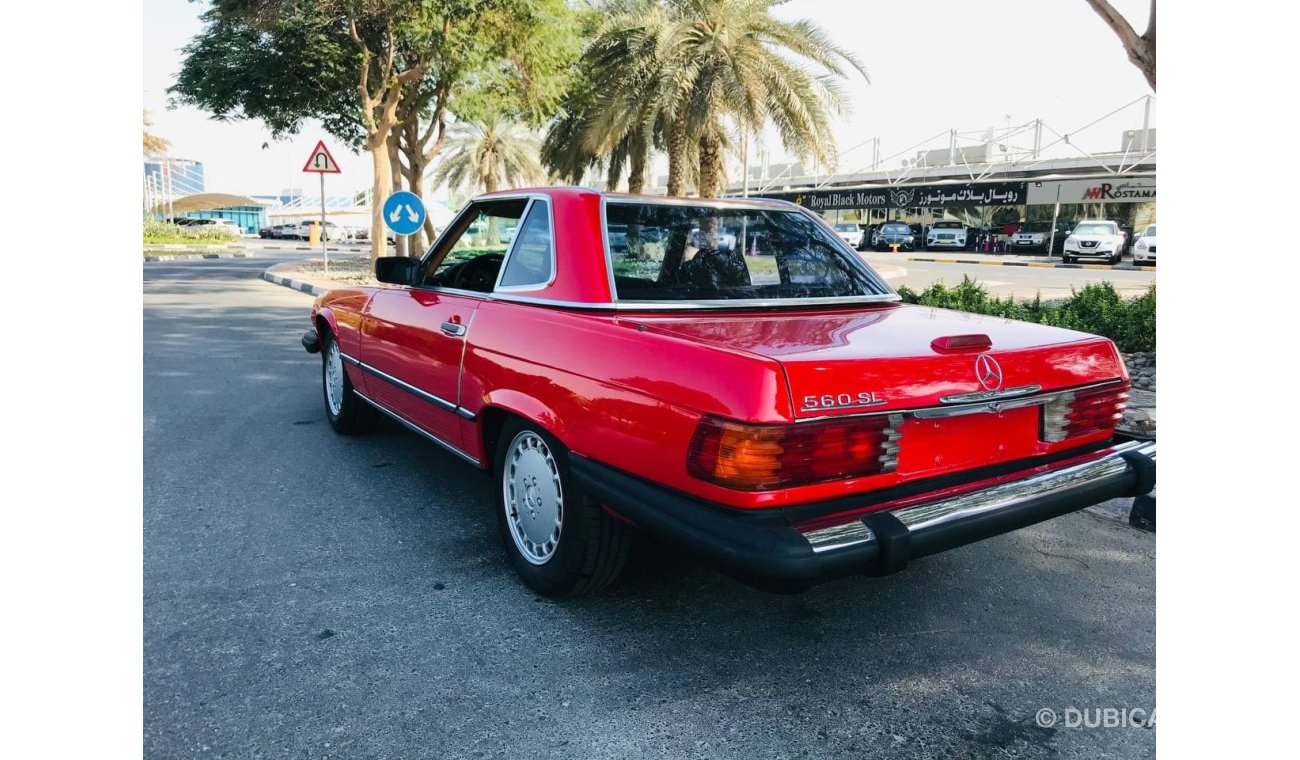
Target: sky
{"type": "Point", "coordinates": [934, 65]}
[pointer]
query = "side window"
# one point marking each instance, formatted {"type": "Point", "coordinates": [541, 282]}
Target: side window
{"type": "Point", "coordinates": [531, 260]}
{"type": "Point", "coordinates": [469, 255]}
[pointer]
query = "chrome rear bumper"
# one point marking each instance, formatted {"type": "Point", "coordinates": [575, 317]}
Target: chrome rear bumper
{"type": "Point", "coordinates": [1117, 462]}
{"type": "Point", "coordinates": [762, 547]}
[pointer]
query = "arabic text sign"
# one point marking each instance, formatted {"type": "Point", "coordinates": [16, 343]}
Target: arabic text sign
{"type": "Point", "coordinates": [916, 196]}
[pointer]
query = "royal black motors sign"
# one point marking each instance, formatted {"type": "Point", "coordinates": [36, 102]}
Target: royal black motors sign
{"type": "Point", "coordinates": [914, 196]}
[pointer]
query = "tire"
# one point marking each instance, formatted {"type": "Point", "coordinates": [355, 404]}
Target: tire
{"type": "Point", "coordinates": [344, 409]}
{"type": "Point", "coordinates": [587, 547]}
{"type": "Point", "coordinates": [1067, 258]}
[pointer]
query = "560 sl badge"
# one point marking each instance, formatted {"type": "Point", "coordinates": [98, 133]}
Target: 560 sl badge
{"type": "Point", "coordinates": [841, 401]}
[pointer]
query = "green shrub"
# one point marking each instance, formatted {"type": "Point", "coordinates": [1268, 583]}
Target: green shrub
{"type": "Point", "coordinates": [1097, 309]}
{"type": "Point", "coordinates": [166, 232]}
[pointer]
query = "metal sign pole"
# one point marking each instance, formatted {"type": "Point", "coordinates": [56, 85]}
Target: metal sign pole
{"type": "Point", "coordinates": [323, 249]}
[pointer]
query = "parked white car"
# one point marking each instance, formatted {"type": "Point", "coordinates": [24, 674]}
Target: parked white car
{"type": "Point", "coordinates": [1144, 250]}
{"type": "Point", "coordinates": [850, 233]}
{"type": "Point", "coordinates": [1094, 239]}
{"type": "Point", "coordinates": [946, 234]}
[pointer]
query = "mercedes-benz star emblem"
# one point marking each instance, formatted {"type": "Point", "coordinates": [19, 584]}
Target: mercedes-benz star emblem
{"type": "Point", "coordinates": [988, 372]}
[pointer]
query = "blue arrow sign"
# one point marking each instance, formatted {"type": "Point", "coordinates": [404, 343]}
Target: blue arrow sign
{"type": "Point", "coordinates": [404, 212]}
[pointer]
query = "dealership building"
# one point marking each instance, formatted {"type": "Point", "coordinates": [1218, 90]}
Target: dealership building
{"type": "Point", "coordinates": [981, 186]}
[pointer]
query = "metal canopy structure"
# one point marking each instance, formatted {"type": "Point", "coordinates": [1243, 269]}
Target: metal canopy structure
{"type": "Point", "coordinates": [1033, 150]}
{"type": "Point", "coordinates": [205, 202]}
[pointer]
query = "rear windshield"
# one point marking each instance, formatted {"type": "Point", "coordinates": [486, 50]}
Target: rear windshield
{"type": "Point", "coordinates": [669, 252]}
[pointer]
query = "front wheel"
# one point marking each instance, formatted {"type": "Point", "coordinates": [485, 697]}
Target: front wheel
{"type": "Point", "coordinates": [560, 542]}
{"type": "Point", "coordinates": [344, 409]}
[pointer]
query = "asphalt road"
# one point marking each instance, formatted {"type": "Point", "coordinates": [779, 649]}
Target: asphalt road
{"type": "Point", "coordinates": [314, 596]}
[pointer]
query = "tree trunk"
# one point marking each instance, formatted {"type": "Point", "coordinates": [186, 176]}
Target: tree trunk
{"type": "Point", "coordinates": [711, 185]}
{"type": "Point", "coordinates": [395, 173]}
{"type": "Point", "coordinates": [383, 184]}
{"type": "Point", "coordinates": [636, 168]}
{"type": "Point", "coordinates": [677, 169]}
{"type": "Point", "coordinates": [414, 172]}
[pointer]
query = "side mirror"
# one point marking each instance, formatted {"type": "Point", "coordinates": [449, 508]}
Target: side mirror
{"type": "Point", "coordinates": [396, 270]}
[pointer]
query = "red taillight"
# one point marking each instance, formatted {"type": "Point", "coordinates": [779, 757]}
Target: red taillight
{"type": "Point", "coordinates": [1084, 412]}
{"type": "Point", "coordinates": [961, 342]}
{"type": "Point", "coordinates": [760, 457]}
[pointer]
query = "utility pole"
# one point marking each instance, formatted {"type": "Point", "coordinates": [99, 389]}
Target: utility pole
{"type": "Point", "coordinates": [745, 170]}
{"type": "Point", "coordinates": [1038, 137]}
{"type": "Point", "coordinates": [1146, 123]}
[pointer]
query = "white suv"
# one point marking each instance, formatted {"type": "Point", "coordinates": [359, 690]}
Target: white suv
{"type": "Point", "coordinates": [946, 234]}
{"type": "Point", "coordinates": [1144, 250]}
{"type": "Point", "coordinates": [1094, 239]}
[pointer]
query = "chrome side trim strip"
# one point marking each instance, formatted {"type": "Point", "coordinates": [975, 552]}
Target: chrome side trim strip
{"type": "Point", "coordinates": [420, 431]}
{"type": "Point", "coordinates": [991, 499]}
{"type": "Point", "coordinates": [424, 395]}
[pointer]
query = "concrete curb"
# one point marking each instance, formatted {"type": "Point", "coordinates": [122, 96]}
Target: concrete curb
{"type": "Point", "coordinates": [299, 285]}
{"type": "Point", "coordinates": [309, 248]}
{"type": "Point", "coordinates": [189, 256]}
{"type": "Point", "coordinates": [193, 246]}
{"type": "Point", "coordinates": [1037, 264]}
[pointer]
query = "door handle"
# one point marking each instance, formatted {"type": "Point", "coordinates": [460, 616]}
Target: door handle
{"type": "Point", "coordinates": [454, 329]}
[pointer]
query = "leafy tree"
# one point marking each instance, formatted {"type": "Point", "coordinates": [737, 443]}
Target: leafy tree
{"type": "Point", "coordinates": [489, 154]}
{"type": "Point", "coordinates": [369, 69]}
{"type": "Point", "coordinates": [1141, 48]}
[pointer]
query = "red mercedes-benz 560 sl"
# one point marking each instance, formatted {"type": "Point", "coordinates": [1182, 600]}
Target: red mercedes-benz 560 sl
{"type": "Point", "coordinates": [728, 375]}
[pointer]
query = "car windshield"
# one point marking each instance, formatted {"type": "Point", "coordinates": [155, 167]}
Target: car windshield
{"type": "Point", "coordinates": [846, 228]}
{"type": "Point", "coordinates": [897, 229]}
{"type": "Point", "coordinates": [677, 252]}
{"type": "Point", "coordinates": [1095, 229]}
{"type": "Point", "coordinates": [1151, 231]}
{"type": "Point", "coordinates": [1036, 227]}
{"type": "Point", "coordinates": [947, 225]}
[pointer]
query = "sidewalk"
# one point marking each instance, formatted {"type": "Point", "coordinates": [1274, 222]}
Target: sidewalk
{"type": "Point", "coordinates": [309, 277]}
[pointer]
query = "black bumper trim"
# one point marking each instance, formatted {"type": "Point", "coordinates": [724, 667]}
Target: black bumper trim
{"type": "Point", "coordinates": [311, 342]}
{"type": "Point", "coordinates": [760, 548]}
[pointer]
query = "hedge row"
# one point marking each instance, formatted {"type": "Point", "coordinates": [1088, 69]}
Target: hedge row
{"type": "Point", "coordinates": [166, 232]}
{"type": "Point", "coordinates": [1096, 309]}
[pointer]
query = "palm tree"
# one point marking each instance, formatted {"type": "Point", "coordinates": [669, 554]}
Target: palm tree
{"type": "Point", "coordinates": [490, 154]}
{"type": "Point", "coordinates": [733, 61]}
{"type": "Point", "coordinates": [153, 144]}
{"type": "Point", "coordinates": [683, 73]}
{"type": "Point", "coordinates": [612, 118]}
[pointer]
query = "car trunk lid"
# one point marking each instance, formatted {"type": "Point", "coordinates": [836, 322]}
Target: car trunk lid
{"type": "Point", "coordinates": [891, 359]}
